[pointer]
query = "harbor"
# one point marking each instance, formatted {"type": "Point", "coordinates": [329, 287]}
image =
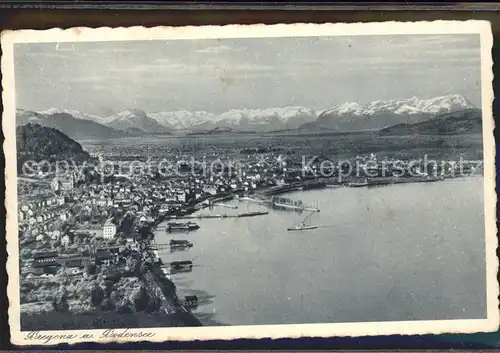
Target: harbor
{"type": "Point", "coordinates": [344, 263]}
{"type": "Point", "coordinates": [178, 256]}
{"type": "Point", "coordinates": [280, 203]}
{"type": "Point", "coordinates": [286, 203]}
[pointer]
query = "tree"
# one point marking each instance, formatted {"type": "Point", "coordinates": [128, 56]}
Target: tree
{"type": "Point", "coordinates": [154, 303]}
{"type": "Point", "coordinates": [55, 305]}
{"type": "Point", "coordinates": [125, 307]}
{"type": "Point", "coordinates": [64, 227]}
{"type": "Point", "coordinates": [131, 263]}
{"type": "Point", "coordinates": [77, 240]}
{"type": "Point", "coordinates": [26, 253]}
{"type": "Point", "coordinates": [138, 266]}
{"type": "Point", "coordinates": [140, 298]}
{"type": "Point", "coordinates": [60, 302]}
{"type": "Point", "coordinates": [108, 288]}
{"type": "Point", "coordinates": [90, 269]}
{"type": "Point", "coordinates": [96, 295]}
{"type": "Point", "coordinates": [27, 287]}
{"type": "Point", "coordinates": [142, 268]}
{"type": "Point", "coordinates": [114, 298]}
{"type": "Point", "coordinates": [60, 272]}
{"type": "Point", "coordinates": [57, 243]}
{"type": "Point", "coordinates": [83, 291]}
{"type": "Point", "coordinates": [107, 305]}
{"type": "Point", "coordinates": [144, 232]}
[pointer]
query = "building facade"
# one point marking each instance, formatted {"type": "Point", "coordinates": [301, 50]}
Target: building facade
{"type": "Point", "coordinates": [109, 229]}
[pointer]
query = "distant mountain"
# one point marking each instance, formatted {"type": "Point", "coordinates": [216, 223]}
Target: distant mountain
{"type": "Point", "coordinates": [135, 120]}
{"type": "Point", "coordinates": [36, 142]}
{"type": "Point", "coordinates": [380, 114]}
{"type": "Point", "coordinates": [459, 122]}
{"type": "Point", "coordinates": [184, 119]}
{"type": "Point", "coordinates": [75, 113]}
{"type": "Point", "coordinates": [342, 118]}
{"type": "Point", "coordinates": [79, 129]}
{"type": "Point", "coordinates": [257, 120]}
{"type": "Point", "coordinates": [261, 120]}
{"type": "Point", "coordinates": [138, 122]}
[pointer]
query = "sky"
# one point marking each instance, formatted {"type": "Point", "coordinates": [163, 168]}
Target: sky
{"type": "Point", "coordinates": [218, 75]}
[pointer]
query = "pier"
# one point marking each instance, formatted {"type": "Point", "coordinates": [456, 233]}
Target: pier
{"type": "Point", "coordinates": [168, 246]}
{"type": "Point", "coordinates": [283, 203]}
{"type": "Point", "coordinates": [220, 215]}
{"type": "Point", "coordinates": [159, 246]}
{"type": "Point", "coordinates": [275, 190]}
{"type": "Point", "coordinates": [178, 227]}
{"type": "Point", "coordinates": [224, 205]}
{"type": "Point", "coordinates": [294, 207]}
{"type": "Point", "coordinates": [280, 203]}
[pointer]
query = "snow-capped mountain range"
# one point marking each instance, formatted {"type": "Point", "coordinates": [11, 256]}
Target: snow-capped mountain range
{"type": "Point", "coordinates": [75, 113]}
{"type": "Point", "coordinates": [381, 114]}
{"type": "Point", "coordinates": [238, 119]}
{"type": "Point", "coordinates": [134, 120]}
{"type": "Point", "coordinates": [410, 106]}
{"type": "Point", "coordinates": [344, 117]}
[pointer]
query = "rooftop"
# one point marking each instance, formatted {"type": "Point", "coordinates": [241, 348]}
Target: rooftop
{"type": "Point", "coordinates": [109, 222]}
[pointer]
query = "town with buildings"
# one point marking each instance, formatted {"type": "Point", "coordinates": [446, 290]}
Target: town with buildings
{"type": "Point", "coordinates": [88, 244]}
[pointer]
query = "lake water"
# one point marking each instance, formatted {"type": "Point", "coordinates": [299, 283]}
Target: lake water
{"type": "Point", "coordinates": [399, 252]}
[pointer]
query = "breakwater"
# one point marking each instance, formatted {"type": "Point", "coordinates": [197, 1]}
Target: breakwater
{"type": "Point", "coordinates": [223, 215]}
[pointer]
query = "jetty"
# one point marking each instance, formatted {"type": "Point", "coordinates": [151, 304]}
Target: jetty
{"type": "Point", "coordinates": [277, 202]}
{"type": "Point", "coordinates": [382, 181]}
{"type": "Point", "coordinates": [223, 198]}
{"type": "Point", "coordinates": [180, 243]}
{"type": "Point", "coordinates": [225, 205]}
{"type": "Point", "coordinates": [177, 244]}
{"type": "Point", "coordinates": [281, 189]}
{"type": "Point", "coordinates": [256, 200]}
{"type": "Point", "coordinates": [284, 203]}
{"type": "Point", "coordinates": [215, 203]}
{"type": "Point", "coordinates": [181, 265]}
{"type": "Point", "coordinates": [294, 207]}
{"type": "Point", "coordinates": [224, 215]}
{"type": "Point", "coordinates": [178, 227]}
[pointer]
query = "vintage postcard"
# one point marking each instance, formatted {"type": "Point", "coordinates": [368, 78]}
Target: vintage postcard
{"type": "Point", "coordinates": [280, 181]}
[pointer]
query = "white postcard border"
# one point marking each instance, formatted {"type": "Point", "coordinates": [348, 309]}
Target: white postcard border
{"type": "Point", "coordinates": [9, 38]}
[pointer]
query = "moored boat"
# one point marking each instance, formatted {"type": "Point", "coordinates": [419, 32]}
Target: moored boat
{"type": "Point", "coordinates": [333, 186]}
{"type": "Point", "coordinates": [181, 227]}
{"type": "Point", "coordinates": [357, 184]}
{"type": "Point", "coordinates": [180, 243]}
